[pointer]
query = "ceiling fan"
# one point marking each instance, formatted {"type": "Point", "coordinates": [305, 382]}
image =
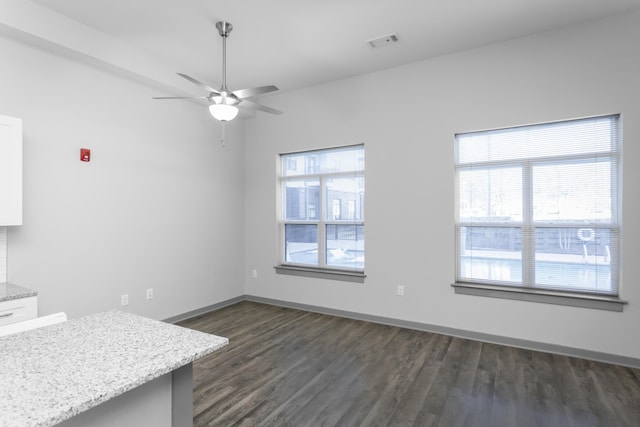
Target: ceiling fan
{"type": "Point", "coordinates": [223, 102]}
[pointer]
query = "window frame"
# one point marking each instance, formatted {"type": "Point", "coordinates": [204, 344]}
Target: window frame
{"type": "Point", "coordinates": [325, 218]}
{"type": "Point", "coordinates": [527, 289]}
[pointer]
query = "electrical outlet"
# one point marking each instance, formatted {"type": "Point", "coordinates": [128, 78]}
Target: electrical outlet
{"type": "Point", "coordinates": [124, 299]}
{"type": "Point", "coordinates": [400, 290]}
{"type": "Point", "coordinates": [254, 273]}
{"type": "Point", "coordinates": [150, 293]}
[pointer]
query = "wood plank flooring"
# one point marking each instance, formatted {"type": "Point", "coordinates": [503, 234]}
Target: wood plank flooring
{"type": "Point", "coordinates": [286, 367]}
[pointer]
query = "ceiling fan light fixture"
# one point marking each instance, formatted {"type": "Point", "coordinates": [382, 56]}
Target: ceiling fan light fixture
{"type": "Point", "coordinates": [223, 112]}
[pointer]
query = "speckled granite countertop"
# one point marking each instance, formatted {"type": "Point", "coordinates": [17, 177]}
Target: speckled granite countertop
{"type": "Point", "coordinates": [50, 374]}
{"type": "Point", "coordinates": [9, 291]}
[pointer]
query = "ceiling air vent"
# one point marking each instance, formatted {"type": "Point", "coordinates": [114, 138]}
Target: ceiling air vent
{"type": "Point", "coordinates": [387, 40]}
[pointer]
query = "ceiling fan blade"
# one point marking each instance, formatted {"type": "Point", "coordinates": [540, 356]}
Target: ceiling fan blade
{"type": "Point", "coordinates": [248, 93]}
{"type": "Point", "coordinates": [199, 83]}
{"type": "Point", "coordinates": [256, 106]}
{"type": "Point", "coordinates": [179, 97]}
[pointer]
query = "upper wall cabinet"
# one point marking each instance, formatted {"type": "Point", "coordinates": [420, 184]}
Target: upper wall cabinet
{"type": "Point", "coordinates": [10, 171]}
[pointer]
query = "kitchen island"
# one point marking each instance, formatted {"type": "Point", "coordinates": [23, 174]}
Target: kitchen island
{"type": "Point", "coordinates": [107, 369]}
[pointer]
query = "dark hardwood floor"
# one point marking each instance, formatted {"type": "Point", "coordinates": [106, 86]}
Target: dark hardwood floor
{"type": "Point", "coordinates": [286, 367]}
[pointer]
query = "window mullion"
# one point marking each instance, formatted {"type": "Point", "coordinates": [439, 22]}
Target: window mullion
{"type": "Point", "coordinates": [322, 241]}
{"type": "Point", "coordinates": [528, 230]}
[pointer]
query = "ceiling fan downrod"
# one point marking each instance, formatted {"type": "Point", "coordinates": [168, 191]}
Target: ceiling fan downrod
{"type": "Point", "coordinates": [224, 29]}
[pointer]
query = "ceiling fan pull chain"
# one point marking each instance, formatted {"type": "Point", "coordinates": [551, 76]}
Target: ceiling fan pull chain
{"type": "Point", "coordinates": [222, 126]}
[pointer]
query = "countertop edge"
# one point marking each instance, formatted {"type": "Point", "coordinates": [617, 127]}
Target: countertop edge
{"type": "Point", "coordinates": [9, 292]}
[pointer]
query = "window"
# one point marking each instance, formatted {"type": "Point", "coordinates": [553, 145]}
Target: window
{"type": "Point", "coordinates": [537, 206]}
{"type": "Point", "coordinates": [322, 221]}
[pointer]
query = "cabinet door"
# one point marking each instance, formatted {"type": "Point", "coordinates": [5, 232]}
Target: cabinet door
{"type": "Point", "coordinates": [10, 171]}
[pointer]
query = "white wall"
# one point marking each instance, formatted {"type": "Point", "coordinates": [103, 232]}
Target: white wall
{"type": "Point", "coordinates": [407, 118]}
{"type": "Point", "coordinates": [160, 204]}
{"type": "Point", "coordinates": [3, 254]}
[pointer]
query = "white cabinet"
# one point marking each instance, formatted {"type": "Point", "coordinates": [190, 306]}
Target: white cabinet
{"type": "Point", "coordinates": [18, 310]}
{"type": "Point", "coordinates": [10, 171]}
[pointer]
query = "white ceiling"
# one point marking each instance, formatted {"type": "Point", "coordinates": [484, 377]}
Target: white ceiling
{"type": "Point", "coordinates": [299, 43]}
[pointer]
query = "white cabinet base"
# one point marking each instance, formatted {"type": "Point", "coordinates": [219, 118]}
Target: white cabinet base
{"type": "Point", "coordinates": [166, 401]}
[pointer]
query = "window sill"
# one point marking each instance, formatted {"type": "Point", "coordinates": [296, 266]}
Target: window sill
{"type": "Point", "coordinates": [320, 273]}
{"type": "Point", "coordinates": [540, 295]}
